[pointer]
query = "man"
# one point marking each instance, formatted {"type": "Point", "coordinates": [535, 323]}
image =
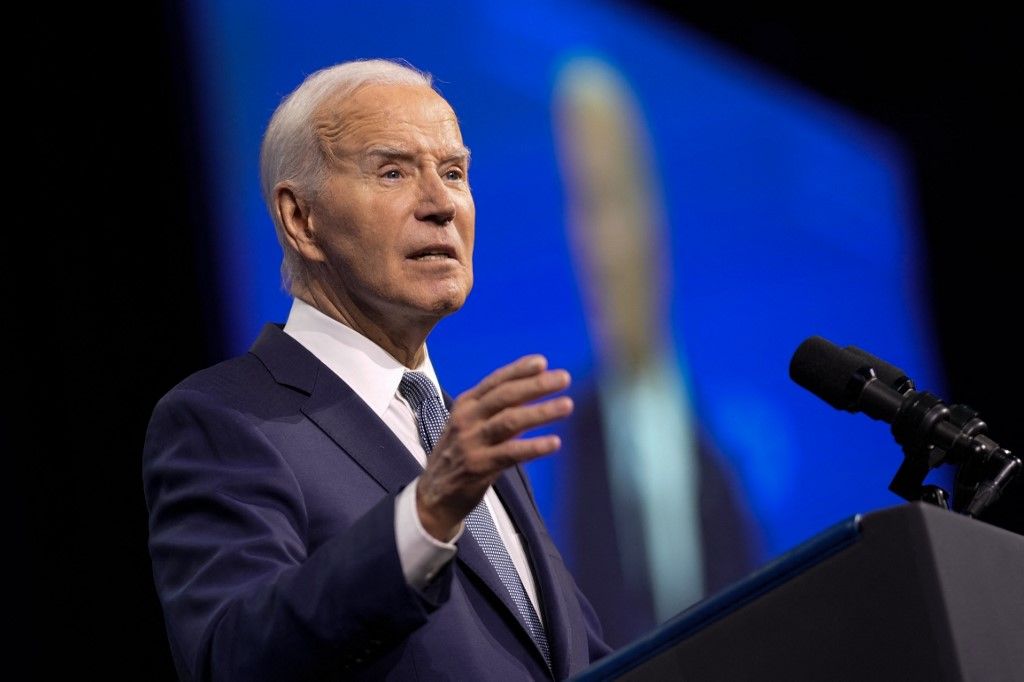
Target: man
{"type": "Point", "coordinates": [314, 511]}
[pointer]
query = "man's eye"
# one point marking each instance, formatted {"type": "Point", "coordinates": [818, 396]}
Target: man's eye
{"type": "Point", "coordinates": [392, 174]}
{"type": "Point", "coordinates": [454, 174]}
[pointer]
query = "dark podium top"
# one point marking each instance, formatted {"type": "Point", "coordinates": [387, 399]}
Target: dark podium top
{"type": "Point", "coordinates": [913, 592]}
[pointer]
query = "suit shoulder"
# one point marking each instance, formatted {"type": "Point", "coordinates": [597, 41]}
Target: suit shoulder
{"type": "Point", "coordinates": [229, 377]}
{"type": "Point", "coordinates": [240, 384]}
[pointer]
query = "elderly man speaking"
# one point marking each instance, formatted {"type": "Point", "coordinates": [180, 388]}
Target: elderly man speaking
{"type": "Point", "coordinates": [319, 508]}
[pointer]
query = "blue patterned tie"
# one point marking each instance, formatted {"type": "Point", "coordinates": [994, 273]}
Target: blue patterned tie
{"type": "Point", "coordinates": [431, 417]}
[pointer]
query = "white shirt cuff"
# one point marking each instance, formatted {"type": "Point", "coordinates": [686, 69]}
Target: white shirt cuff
{"type": "Point", "coordinates": [420, 554]}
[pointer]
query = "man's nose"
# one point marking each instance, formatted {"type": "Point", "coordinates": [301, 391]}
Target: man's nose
{"type": "Point", "coordinates": [435, 202]}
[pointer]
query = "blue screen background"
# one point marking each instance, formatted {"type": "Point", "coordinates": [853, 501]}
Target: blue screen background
{"type": "Point", "coordinates": [788, 217]}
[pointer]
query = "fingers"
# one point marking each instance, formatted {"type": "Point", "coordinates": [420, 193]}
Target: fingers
{"type": "Point", "coordinates": [519, 382]}
{"type": "Point", "coordinates": [528, 365]}
{"type": "Point", "coordinates": [522, 390]}
{"type": "Point", "coordinates": [512, 421]}
{"type": "Point", "coordinates": [521, 450]}
{"type": "Point", "coordinates": [497, 408]}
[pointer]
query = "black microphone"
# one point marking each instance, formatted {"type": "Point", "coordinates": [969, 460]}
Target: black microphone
{"type": "Point", "coordinates": [930, 433]}
{"type": "Point", "coordinates": [847, 379]}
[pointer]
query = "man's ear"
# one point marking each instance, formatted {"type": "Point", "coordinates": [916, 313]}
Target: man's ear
{"type": "Point", "coordinates": [295, 214]}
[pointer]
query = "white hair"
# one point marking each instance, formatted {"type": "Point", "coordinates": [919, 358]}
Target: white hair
{"type": "Point", "coordinates": [292, 150]}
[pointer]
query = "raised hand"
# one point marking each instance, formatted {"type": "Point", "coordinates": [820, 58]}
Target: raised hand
{"type": "Point", "coordinates": [481, 439]}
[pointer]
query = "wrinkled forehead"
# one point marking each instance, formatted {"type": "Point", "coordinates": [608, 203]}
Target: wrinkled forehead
{"type": "Point", "coordinates": [409, 115]}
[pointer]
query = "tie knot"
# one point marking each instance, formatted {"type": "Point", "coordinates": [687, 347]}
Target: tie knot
{"type": "Point", "coordinates": [416, 387]}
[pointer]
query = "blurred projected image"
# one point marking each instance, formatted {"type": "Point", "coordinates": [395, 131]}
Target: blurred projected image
{"type": "Point", "coordinates": [675, 528]}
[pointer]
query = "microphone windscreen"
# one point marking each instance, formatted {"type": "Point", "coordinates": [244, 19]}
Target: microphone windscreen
{"type": "Point", "coordinates": [827, 371]}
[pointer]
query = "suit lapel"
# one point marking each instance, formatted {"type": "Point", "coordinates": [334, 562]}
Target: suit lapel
{"type": "Point", "coordinates": [338, 410]}
{"type": "Point", "coordinates": [472, 557]}
{"type": "Point", "coordinates": [357, 430]}
{"type": "Point", "coordinates": [513, 493]}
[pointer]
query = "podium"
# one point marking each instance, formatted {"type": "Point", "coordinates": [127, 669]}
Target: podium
{"type": "Point", "coordinates": [913, 592]}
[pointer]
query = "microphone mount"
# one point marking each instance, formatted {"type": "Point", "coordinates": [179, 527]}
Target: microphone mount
{"type": "Point", "coordinates": [931, 434]}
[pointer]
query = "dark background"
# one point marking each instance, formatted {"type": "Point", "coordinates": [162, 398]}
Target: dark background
{"type": "Point", "coordinates": [115, 272]}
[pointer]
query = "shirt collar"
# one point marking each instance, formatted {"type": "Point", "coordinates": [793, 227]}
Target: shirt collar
{"type": "Point", "coordinates": [368, 369]}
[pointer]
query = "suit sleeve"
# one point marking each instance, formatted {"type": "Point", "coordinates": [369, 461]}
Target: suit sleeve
{"type": "Point", "coordinates": [243, 599]}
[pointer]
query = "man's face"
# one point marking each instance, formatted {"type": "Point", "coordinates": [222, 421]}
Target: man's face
{"type": "Point", "coordinates": [395, 219]}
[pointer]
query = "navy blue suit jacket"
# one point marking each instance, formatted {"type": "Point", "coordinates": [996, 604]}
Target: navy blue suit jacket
{"type": "Point", "coordinates": [271, 489]}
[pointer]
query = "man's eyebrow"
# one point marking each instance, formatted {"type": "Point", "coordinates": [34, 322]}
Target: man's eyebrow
{"type": "Point", "coordinates": [400, 154]}
{"type": "Point", "coordinates": [389, 152]}
{"type": "Point", "coordinates": [464, 155]}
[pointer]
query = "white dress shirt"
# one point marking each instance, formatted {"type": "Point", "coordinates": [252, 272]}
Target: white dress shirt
{"type": "Point", "coordinates": [374, 375]}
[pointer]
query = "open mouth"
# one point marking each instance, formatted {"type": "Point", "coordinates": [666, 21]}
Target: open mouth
{"type": "Point", "coordinates": [435, 252]}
